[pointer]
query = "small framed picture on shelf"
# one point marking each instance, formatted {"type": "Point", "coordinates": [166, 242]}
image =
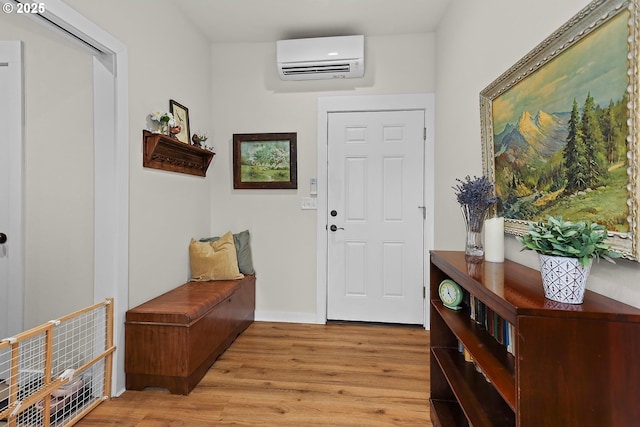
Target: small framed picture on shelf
{"type": "Point", "coordinates": [181, 116]}
{"type": "Point", "coordinates": [265, 161]}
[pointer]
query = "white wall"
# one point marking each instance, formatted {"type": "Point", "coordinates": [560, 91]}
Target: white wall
{"type": "Point", "coordinates": [166, 209]}
{"type": "Point", "coordinates": [248, 97]}
{"type": "Point", "coordinates": [477, 41]}
{"type": "Point", "coordinates": [168, 59]}
{"type": "Point", "coordinates": [58, 171]}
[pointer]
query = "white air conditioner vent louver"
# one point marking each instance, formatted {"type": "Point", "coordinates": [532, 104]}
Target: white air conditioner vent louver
{"type": "Point", "coordinates": [315, 69]}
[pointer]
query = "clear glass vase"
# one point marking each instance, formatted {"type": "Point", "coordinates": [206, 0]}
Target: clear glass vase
{"type": "Point", "coordinates": [162, 128]}
{"type": "Point", "coordinates": [474, 223]}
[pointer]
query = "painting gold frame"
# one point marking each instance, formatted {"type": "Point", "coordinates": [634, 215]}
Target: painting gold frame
{"type": "Point", "coordinates": [540, 145]}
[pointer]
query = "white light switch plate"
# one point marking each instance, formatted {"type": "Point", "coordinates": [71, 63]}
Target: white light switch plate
{"type": "Point", "coordinates": [308, 203]}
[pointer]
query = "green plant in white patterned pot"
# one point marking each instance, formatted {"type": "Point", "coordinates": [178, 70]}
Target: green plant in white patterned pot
{"type": "Point", "coordinates": [566, 250]}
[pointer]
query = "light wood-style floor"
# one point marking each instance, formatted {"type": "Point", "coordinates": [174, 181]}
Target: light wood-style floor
{"type": "Point", "coordinates": [285, 374]}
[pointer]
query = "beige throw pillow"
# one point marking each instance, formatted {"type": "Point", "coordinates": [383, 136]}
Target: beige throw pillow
{"type": "Point", "coordinates": [214, 260]}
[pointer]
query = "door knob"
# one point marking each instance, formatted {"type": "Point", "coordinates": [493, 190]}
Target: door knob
{"type": "Point", "coordinates": [3, 238]}
{"type": "Point", "coordinates": [335, 228]}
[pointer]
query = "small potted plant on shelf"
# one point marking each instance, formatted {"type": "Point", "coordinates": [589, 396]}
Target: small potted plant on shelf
{"type": "Point", "coordinates": [566, 251]}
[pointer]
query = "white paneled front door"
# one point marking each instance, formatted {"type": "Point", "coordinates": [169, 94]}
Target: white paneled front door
{"type": "Point", "coordinates": [375, 208]}
{"type": "Point", "coordinates": [11, 190]}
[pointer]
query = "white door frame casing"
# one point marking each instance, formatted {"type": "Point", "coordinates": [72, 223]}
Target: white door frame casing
{"type": "Point", "coordinates": [111, 162]}
{"type": "Point", "coordinates": [326, 105]}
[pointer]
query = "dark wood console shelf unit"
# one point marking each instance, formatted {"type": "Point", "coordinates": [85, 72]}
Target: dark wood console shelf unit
{"type": "Point", "coordinates": [511, 357]}
{"type": "Point", "coordinates": [169, 154]}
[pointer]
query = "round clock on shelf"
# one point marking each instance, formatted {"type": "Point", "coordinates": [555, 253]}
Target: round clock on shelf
{"type": "Point", "coordinates": [450, 294]}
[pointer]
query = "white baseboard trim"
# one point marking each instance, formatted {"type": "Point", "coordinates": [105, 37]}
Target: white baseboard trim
{"type": "Point", "coordinates": [285, 316]}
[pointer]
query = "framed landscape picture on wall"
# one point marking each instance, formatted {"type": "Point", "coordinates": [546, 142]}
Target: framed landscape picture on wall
{"type": "Point", "coordinates": [559, 128]}
{"type": "Point", "coordinates": [265, 161]}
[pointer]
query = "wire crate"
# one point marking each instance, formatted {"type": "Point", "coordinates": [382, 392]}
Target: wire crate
{"type": "Point", "coordinates": [53, 374]}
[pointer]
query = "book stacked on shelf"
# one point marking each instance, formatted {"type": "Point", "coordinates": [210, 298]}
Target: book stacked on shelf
{"type": "Point", "coordinates": [469, 358]}
{"type": "Point", "coordinates": [501, 330]}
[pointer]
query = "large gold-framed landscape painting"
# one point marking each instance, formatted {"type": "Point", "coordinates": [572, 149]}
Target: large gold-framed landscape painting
{"type": "Point", "coordinates": [559, 133]}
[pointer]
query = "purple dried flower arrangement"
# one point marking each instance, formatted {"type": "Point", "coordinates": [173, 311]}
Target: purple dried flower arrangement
{"type": "Point", "coordinates": [475, 197]}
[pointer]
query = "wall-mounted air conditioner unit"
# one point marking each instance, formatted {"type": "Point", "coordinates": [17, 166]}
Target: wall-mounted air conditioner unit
{"type": "Point", "coordinates": [321, 58]}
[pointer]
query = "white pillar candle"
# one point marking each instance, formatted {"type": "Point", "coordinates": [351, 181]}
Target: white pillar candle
{"type": "Point", "coordinates": [494, 240]}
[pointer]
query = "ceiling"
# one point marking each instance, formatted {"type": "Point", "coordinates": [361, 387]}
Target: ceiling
{"type": "Point", "coordinates": [251, 21]}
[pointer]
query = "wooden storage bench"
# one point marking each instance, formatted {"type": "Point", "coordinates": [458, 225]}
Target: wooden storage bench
{"type": "Point", "coordinates": [172, 340]}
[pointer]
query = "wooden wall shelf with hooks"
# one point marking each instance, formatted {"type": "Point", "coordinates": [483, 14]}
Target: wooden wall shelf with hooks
{"type": "Point", "coordinates": [169, 154]}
